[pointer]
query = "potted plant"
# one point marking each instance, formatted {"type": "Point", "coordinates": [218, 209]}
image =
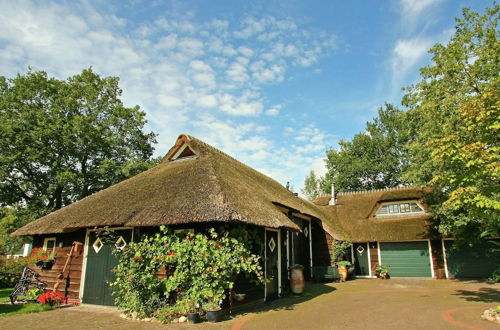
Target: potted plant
{"type": "Point", "coordinates": [381, 272]}
{"type": "Point", "coordinates": [44, 259]}
{"type": "Point", "coordinates": [193, 315]}
{"type": "Point", "coordinates": [214, 312]}
{"type": "Point", "coordinates": [342, 268]}
{"type": "Point", "coordinates": [239, 296]}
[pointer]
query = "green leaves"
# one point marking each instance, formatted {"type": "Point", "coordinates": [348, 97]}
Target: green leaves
{"type": "Point", "coordinates": [199, 267]}
{"type": "Point", "coordinates": [456, 149]}
{"type": "Point", "coordinates": [373, 159]}
{"type": "Point", "coordinates": [62, 140]}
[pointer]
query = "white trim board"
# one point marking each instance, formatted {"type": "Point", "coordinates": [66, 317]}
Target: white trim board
{"type": "Point", "coordinates": [430, 257]}
{"type": "Point", "coordinates": [444, 258]}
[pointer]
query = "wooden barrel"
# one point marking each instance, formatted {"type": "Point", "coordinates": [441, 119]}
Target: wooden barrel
{"type": "Point", "coordinates": [297, 282]}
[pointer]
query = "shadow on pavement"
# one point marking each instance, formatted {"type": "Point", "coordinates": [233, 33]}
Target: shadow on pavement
{"type": "Point", "coordinates": [289, 301]}
{"type": "Point", "coordinates": [486, 295]}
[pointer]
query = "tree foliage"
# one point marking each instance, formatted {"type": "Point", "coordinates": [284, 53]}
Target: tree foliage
{"type": "Point", "coordinates": [373, 159]}
{"type": "Point", "coordinates": [456, 148]}
{"type": "Point", "coordinates": [312, 186]}
{"type": "Point", "coordinates": [63, 140]}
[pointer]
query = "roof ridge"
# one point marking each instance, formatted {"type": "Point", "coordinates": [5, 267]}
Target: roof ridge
{"type": "Point", "coordinates": [366, 191]}
{"type": "Point", "coordinates": [354, 192]}
{"type": "Point", "coordinates": [230, 157]}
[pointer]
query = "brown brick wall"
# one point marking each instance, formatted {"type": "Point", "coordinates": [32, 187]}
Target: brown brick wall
{"type": "Point", "coordinates": [437, 259]}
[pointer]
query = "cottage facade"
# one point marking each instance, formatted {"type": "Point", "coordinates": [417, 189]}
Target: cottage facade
{"type": "Point", "coordinates": [393, 227]}
{"type": "Point", "coordinates": [197, 186]}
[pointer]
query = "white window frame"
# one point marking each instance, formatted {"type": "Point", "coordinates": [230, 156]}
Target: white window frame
{"type": "Point", "coordinates": [48, 239]}
{"type": "Point", "coordinates": [390, 215]}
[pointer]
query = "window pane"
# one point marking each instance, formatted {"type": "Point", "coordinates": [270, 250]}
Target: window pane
{"type": "Point", "coordinates": [405, 207]}
{"type": "Point", "coordinates": [51, 244]}
{"type": "Point", "coordinates": [393, 208]}
{"type": "Point", "coordinates": [416, 208]}
{"type": "Point", "coordinates": [383, 210]}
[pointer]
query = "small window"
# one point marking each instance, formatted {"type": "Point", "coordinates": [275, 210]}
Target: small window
{"type": "Point", "coordinates": [49, 244]}
{"type": "Point", "coordinates": [399, 208]}
{"type": "Point", "coordinates": [185, 152]}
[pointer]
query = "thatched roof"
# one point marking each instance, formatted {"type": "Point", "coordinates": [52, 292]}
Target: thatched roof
{"type": "Point", "coordinates": [354, 212]}
{"type": "Point", "coordinates": [209, 186]}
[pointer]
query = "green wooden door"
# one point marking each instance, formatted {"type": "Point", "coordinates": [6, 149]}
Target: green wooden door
{"type": "Point", "coordinates": [272, 259]}
{"type": "Point", "coordinates": [100, 261]}
{"type": "Point", "coordinates": [406, 259]}
{"type": "Point", "coordinates": [478, 261]}
{"type": "Point", "coordinates": [361, 265]}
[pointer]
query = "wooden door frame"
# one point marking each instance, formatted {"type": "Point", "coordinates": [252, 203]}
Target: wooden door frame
{"type": "Point", "coordinates": [86, 251]}
{"type": "Point", "coordinates": [279, 259]}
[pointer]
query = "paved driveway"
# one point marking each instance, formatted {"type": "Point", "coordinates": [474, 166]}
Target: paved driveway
{"type": "Point", "coordinates": [358, 304]}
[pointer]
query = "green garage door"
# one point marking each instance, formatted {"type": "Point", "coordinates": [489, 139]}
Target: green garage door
{"type": "Point", "coordinates": [406, 259]}
{"type": "Point", "coordinates": [478, 261]}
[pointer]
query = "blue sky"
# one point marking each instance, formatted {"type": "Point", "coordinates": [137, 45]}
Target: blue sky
{"type": "Point", "coordinates": [273, 83]}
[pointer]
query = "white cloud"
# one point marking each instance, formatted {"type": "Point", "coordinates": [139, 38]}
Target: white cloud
{"type": "Point", "coordinates": [186, 74]}
{"type": "Point", "coordinates": [409, 52]}
{"type": "Point", "coordinates": [207, 101]}
{"type": "Point", "coordinates": [274, 111]}
{"type": "Point", "coordinates": [412, 9]}
{"type": "Point", "coordinates": [169, 101]}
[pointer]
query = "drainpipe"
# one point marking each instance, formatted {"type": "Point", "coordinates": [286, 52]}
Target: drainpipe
{"type": "Point", "coordinates": [332, 200]}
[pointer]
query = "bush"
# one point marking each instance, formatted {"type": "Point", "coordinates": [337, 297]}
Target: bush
{"type": "Point", "coordinates": [495, 277]}
{"type": "Point", "coordinates": [11, 270]}
{"type": "Point", "coordinates": [200, 268]}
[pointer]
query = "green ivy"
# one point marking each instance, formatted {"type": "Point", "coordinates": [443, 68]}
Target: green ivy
{"type": "Point", "coordinates": [200, 269]}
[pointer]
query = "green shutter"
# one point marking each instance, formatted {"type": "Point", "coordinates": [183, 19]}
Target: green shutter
{"type": "Point", "coordinates": [406, 259]}
{"type": "Point", "coordinates": [479, 261]}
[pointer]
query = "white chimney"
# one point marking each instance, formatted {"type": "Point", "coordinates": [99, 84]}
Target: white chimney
{"type": "Point", "coordinates": [332, 200]}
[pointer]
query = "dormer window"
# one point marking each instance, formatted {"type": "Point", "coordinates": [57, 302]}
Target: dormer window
{"type": "Point", "coordinates": [185, 152]}
{"type": "Point", "coordinates": [406, 208]}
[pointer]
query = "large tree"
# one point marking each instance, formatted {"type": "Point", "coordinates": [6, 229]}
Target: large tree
{"type": "Point", "coordinates": [373, 159]}
{"type": "Point", "coordinates": [62, 140]}
{"type": "Point", "coordinates": [457, 146]}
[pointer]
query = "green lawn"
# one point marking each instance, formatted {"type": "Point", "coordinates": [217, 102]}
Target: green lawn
{"type": "Point", "coordinates": [4, 295]}
{"type": "Point", "coordinates": [8, 309]}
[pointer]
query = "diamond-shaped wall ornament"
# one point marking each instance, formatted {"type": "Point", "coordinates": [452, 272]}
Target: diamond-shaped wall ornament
{"type": "Point", "coordinates": [360, 250]}
{"type": "Point", "coordinates": [120, 243]}
{"type": "Point", "coordinates": [272, 244]}
{"type": "Point", "coordinates": [98, 244]}
{"type": "Point", "coordinates": [306, 232]}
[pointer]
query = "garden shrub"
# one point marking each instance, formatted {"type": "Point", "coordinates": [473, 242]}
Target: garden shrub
{"type": "Point", "coordinates": [11, 270]}
{"type": "Point", "coordinates": [200, 268]}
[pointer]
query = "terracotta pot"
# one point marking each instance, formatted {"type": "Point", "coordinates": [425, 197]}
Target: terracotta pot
{"type": "Point", "coordinates": [343, 273]}
{"type": "Point", "coordinates": [297, 282]}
